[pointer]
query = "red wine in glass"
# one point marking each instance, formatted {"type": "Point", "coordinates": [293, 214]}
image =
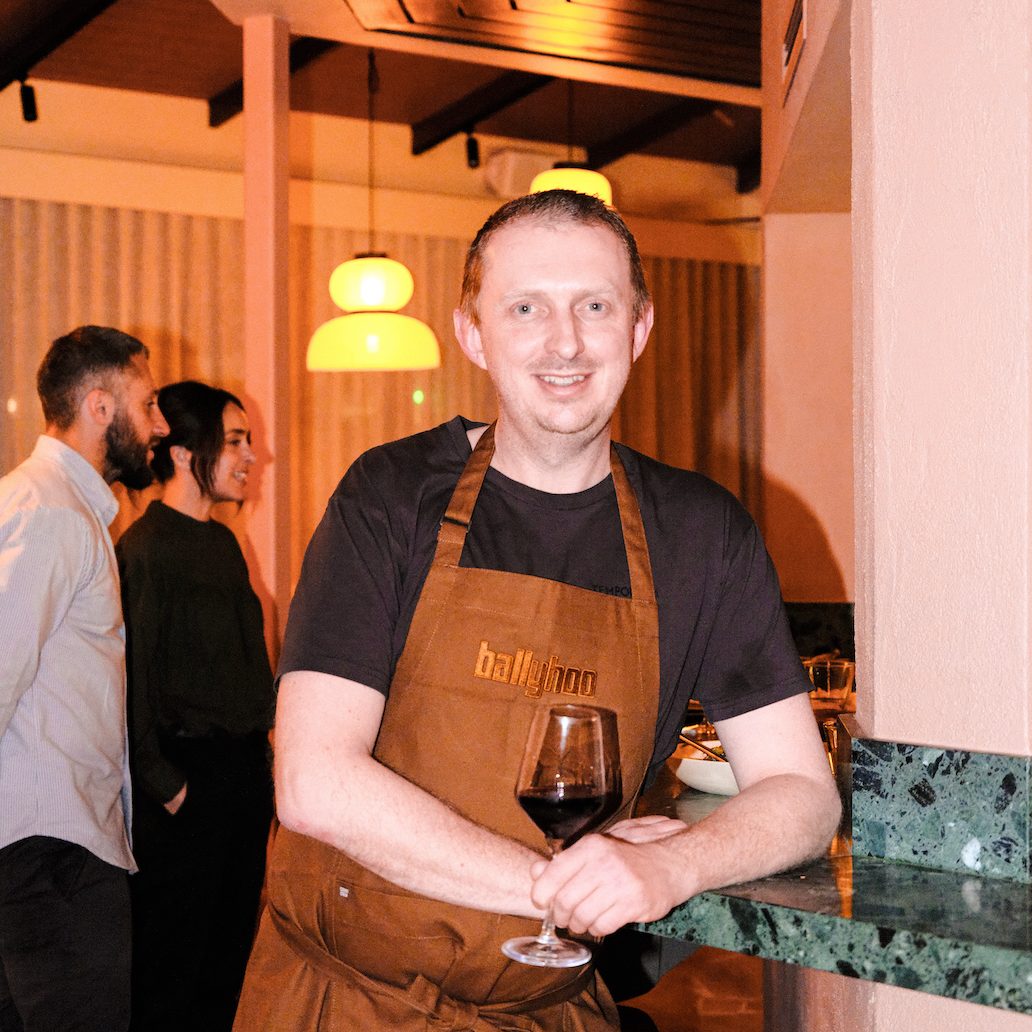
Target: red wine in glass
{"type": "Point", "coordinates": [614, 776]}
{"type": "Point", "coordinates": [562, 812]}
{"type": "Point", "coordinates": [562, 787]}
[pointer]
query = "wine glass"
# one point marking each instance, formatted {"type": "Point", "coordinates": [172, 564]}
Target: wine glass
{"type": "Point", "coordinates": [562, 789]}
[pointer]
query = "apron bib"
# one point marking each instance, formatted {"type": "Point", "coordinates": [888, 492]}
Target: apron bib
{"type": "Point", "coordinates": [341, 948]}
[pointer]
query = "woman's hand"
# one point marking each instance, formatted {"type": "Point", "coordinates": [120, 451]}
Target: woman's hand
{"type": "Point", "coordinates": [176, 801]}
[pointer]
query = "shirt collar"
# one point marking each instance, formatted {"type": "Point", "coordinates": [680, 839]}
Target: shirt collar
{"type": "Point", "coordinates": [99, 496]}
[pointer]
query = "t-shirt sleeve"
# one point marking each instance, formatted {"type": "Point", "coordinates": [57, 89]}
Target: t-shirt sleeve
{"type": "Point", "coordinates": [750, 659]}
{"type": "Point", "coordinates": [346, 605]}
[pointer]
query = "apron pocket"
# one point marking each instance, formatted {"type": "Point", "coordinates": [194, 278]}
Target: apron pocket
{"type": "Point", "coordinates": [388, 933]}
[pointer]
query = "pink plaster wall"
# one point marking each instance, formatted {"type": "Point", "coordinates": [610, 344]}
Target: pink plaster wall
{"type": "Point", "coordinates": [941, 119]}
{"type": "Point", "coordinates": [941, 183]}
{"type": "Point", "coordinates": [808, 405]}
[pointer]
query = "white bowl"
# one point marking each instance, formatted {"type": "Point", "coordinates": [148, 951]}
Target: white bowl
{"type": "Point", "coordinates": [703, 774]}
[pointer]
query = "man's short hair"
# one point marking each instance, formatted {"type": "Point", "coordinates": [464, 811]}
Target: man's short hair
{"type": "Point", "coordinates": [550, 207]}
{"type": "Point", "coordinates": [77, 363]}
{"type": "Point", "coordinates": [193, 411]}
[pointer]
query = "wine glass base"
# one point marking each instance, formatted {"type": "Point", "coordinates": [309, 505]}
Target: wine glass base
{"type": "Point", "coordinates": [558, 953]}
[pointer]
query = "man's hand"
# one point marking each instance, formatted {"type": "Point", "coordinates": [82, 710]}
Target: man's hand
{"type": "Point", "coordinates": [785, 814]}
{"type": "Point", "coordinates": [602, 882]}
{"type": "Point", "coordinates": [176, 801]}
{"type": "Point", "coordinates": [646, 829]}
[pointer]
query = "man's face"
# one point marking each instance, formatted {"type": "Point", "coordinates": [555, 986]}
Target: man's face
{"type": "Point", "coordinates": [136, 427]}
{"type": "Point", "coordinates": [557, 332]}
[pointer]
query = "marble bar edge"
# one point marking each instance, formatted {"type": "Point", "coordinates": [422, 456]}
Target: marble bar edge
{"type": "Point", "coordinates": [911, 901]}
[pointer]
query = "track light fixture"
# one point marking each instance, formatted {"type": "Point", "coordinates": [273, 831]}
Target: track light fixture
{"type": "Point", "coordinates": [472, 150]}
{"type": "Point", "coordinates": [29, 111]}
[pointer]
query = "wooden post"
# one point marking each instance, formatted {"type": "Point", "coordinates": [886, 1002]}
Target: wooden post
{"type": "Point", "coordinates": [266, 369]}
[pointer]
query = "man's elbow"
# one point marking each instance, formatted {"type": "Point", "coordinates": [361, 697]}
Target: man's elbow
{"type": "Point", "coordinates": [828, 813]}
{"type": "Point", "coordinates": [300, 803]}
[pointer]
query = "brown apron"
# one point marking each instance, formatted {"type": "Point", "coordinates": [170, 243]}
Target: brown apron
{"type": "Point", "coordinates": [341, 948]}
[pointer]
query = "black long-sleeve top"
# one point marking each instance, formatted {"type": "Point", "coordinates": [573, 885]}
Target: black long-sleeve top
{"type": "Point", "coordinates": [196, 657]}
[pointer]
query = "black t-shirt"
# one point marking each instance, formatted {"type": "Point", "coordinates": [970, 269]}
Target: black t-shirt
{"type": "Point", "coordinates": [723, 633]}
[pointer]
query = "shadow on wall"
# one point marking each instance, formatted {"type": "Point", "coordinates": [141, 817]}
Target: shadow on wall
{"type": "Point", "coordinates": [799, 545]}
{"type": "Point", "coordinates": [812, 584]}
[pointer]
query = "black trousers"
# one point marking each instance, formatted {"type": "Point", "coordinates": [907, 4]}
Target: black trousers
{"type": "Point", "coordinates": [195, 898]}
{"type": "Point", "coordinates": [64, 939]}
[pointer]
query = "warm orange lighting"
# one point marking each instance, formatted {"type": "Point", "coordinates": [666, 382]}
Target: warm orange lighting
{"type": "Point", "coordinates": [371, 283]}
{"type": "Point", "coordinates": [571, 177]}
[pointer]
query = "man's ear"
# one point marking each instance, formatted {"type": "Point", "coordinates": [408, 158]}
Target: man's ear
{"type": "Point", "coordinates": [642, 329]}
{"type": "Point", "coordinates": [98, 407]}
{"type": "Point", "coordinates": [467, 333]}
{"type": "Point", "coordinates": [181, 457]}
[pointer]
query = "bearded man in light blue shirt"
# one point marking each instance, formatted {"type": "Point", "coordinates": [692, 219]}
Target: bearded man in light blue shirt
{"type": "Point", "coordinates": [64, 785]}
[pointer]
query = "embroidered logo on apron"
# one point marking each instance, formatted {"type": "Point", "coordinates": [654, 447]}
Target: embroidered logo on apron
{"type": "Point", "coordinates": [536, 676]}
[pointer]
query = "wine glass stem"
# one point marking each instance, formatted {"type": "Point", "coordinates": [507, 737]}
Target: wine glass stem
{"type": "Point", "coordinates": [547, 934]}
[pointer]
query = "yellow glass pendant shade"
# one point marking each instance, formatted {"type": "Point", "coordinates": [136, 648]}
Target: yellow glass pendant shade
{"type": "Point", "coordinates": [371, 341]}
{"type": "Point", "coordinates": [371, 283]}
{"type": "Point", "coordinates": [582, 180]}
{"type": "Point", "coordinates": [372, 335]}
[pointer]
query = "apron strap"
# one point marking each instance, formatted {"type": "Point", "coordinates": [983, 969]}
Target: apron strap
{"type": "Point", "coordinates": [445, 1012]}
{"type": "Point", "coordinates": [455, 525]}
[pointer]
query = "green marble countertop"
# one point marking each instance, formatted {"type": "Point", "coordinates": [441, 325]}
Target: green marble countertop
{"type": "Point", "coordinates": [951, 934]}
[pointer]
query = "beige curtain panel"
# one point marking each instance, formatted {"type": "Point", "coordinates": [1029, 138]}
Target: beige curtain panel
{"type": "Point", "coordinates": [176, 282]}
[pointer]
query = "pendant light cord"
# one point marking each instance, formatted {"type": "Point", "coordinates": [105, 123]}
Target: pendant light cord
{"type": "Point", "coordinates": [569, 120]}
{"type": "Point", "coordinates": [372, 88]}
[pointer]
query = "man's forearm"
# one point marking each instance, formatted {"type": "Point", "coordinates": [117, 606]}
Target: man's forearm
{"type": "Point", "coordinates": [775, 824]}
{"type": "Point", "coordinates": [329, 786]}
{"type": "Point", "coordinates": [407, 836]}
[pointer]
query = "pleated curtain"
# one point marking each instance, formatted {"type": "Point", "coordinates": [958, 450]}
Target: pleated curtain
{"type": "Point", "coordinates": [176, 282]}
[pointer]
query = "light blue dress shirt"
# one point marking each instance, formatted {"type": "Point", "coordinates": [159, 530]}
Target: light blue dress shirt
{"type": "Point", "coordinates": [63, 757]}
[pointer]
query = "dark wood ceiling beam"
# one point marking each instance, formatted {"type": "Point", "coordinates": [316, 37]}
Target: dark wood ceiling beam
{"type": "Point", "coordinates": [640, 135]}
{"type": "Point", "coordinates": [228, 103]}
{"type": "Point", "coordinates": [56, 24]}
{"type": "Point", "coordinates": [462, 115]}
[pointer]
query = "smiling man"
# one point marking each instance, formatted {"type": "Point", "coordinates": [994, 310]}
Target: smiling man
{"type": "Point", "coordinates": [64, 789]}
{"type": "Point", "coordinates": [446, 566]}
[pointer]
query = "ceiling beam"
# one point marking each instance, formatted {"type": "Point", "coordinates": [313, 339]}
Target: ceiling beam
{"type": "Point", "coordinates": [228, 103]}
{"type": "Point", "coordinates": [331, 19]}
{"type": "Point", "coordinates": [55, 24]}
{"type": "Point", "coordinates": [640, 135]}
{"type": "Point", "coordinates": [462, 115]}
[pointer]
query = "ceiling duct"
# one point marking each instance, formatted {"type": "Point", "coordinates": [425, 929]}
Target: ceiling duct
{"type": "Point", "coordinates": [508, 171]}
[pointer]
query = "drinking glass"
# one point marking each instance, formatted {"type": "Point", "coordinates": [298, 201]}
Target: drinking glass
{"type": "Point", "coordinates": [562, 788]}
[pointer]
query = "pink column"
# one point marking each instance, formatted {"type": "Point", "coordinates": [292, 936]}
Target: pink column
{"type": "Point", "coordinates": [942, 123]}
{"type": "Point", "coordinates": [266, 369]}
{"type": "Point", "coordinates": [942, 171]}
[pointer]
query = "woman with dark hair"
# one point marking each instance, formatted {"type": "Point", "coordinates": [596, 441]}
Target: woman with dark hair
{"type": "Point", "coordinates": [200, 707]}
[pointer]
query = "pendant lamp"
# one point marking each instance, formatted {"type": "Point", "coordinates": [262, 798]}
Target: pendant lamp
{"type": "Point", "coordinates": [372, 334]}
{"type": "Point", "coordinates": [570, 174]}
{"type": "Point", "coordinates": [567, 175]}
